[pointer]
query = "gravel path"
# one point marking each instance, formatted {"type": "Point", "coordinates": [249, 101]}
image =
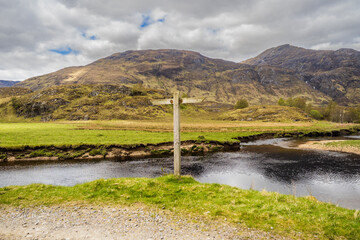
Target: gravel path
{"type": "Point", "coordinates": [95, 222]}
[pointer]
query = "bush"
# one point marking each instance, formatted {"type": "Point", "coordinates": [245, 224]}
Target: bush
{"type": "Point", "coordinates": [316, 114]}
{"type": "Point", "coordinates": [281, 102]}
{"type": "Point", "coordinates": [299, 103]}
{"type": "Point", "coordinates": [242, 103]}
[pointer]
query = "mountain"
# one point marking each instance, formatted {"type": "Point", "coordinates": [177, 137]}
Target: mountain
{"type": "Point", "coordinates": [334, 73]}
{"type": "Point", "coordinates": [4, 83]}
{"type": "Point", "coordinates": [285, 71]}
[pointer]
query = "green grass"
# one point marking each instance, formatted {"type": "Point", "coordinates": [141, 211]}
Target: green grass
{"type": "Point", "coordinates": [46, 134]}
{"type": "Point", "coordinates": [286, 215]}
{"type": "Point", "coordinates": [141, 132]}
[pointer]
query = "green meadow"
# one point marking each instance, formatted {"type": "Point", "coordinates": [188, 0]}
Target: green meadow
{"type": "Point", "coordinates": [142, 132]}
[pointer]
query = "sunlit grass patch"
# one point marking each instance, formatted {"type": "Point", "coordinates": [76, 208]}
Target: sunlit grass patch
{"type": "Point", "coordinates": [143, 132]}
{"type": "Point", "coordinates": [283, 214]}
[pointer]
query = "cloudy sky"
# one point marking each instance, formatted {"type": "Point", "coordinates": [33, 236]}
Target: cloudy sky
{"type": "Point", "coordinates": [41, 36]}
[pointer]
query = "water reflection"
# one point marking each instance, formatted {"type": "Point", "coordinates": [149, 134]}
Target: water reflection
{"type": "Point", "coordinates": [274, 165]}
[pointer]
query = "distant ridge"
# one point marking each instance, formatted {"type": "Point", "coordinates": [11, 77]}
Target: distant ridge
{"type": "Point", "coordinates": [284, 71]}
{"type": "Point", "coordinates": [5, 83]}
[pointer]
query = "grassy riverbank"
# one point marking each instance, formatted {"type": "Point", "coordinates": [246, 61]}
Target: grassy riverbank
{"type": "Point", "coordinates": [349, 146]}
{"type": "Point", "coordinates": [304, 217]}
{"type": "Point", "coordinates": [347, 143]}
{"type": "Point", "coordinates": [143, 132]}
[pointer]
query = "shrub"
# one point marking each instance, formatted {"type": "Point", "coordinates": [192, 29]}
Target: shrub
{"type": "Point", "coordinates": [316, 114]}
{"type": "Point", "coordinates": [281, 102]}
{"type": "Point", "coordinates": [242, 103]}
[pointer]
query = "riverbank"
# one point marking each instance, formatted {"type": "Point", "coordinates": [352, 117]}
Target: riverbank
{"type": "Point", "coordinates": [333, 145]}
{"type": "Point", "coordinates": [123, 140]}
{"type": "Point", "coordinates": [199, 208]}
{"type": "Point", "coordinates": [203, 143]}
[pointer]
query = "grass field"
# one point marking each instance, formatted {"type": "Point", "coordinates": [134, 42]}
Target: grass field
{"type": "Point", "coordinates": [303, 218]}
{"type": "Point", "coordinates": [42, 134]}
{"type": "Point", "coordinates": [141, 132]}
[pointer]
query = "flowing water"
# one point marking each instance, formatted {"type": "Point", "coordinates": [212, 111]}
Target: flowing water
{"type": "Point", "coordinates": [273, 165]}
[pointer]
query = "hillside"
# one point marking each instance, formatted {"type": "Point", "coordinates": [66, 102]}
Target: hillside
{"type": "Point", "coordinates": [85, 102]}
{"type": "Point", "coordinates": [106, 102]}
{"type": "Point", "coordinates": [13, 91]}
{"type": "Point", "coordinates": [191, 73]}
{"type": "Point", "coordinates": [266, 114]}
{"type": "Point", "coordinates": [334, 73]}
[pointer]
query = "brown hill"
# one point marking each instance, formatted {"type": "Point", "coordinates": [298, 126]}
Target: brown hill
{"type": "Point", "coordinates": [334, 73]}
{"type": "Point", "coordinates": [217, 80]}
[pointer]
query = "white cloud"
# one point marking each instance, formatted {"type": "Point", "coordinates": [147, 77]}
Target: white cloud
{"type": "Point", "coordinates": [233, 30]}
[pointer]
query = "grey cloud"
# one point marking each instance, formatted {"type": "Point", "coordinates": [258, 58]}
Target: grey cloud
{"type": "Point", "coordinates": [234, 30]}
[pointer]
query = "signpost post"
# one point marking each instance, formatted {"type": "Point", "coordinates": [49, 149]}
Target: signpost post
{"type": "Point", "coordinates": [176, 101]}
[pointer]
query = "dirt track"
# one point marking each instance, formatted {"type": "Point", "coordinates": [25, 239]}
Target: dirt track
{"type": "Point", "coordinates": [89, 222]}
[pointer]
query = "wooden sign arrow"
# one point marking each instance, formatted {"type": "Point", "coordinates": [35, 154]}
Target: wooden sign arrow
{"type": "Point", "coordinates": [181, 100]}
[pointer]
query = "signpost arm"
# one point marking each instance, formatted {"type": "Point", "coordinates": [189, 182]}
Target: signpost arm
{"type": "Point", "coordinates": [177, 150]}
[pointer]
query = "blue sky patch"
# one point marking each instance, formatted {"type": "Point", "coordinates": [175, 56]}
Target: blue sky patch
{"type": "Point", "coordinates": [64, 51]}
{"type": "Point", "coordinates": [92, 37]}
{"type": "Point", "coordinates": [147, 20]}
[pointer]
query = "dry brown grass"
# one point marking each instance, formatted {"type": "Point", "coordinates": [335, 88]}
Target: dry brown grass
{"type": "Point", "coordinates": [5, 100]}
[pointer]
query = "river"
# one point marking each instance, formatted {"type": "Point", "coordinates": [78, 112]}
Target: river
{"type": "Point", "coordinates": [273, 165]}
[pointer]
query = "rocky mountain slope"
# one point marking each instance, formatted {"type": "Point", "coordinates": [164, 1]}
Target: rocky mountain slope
{"type": "Point", "coordinates": [334, 73]}
{"type": "Point", "coordinates": [285, 71]}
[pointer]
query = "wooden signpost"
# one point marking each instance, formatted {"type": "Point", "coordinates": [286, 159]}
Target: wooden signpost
{"type": "Point", "coordinates": [176, 101]}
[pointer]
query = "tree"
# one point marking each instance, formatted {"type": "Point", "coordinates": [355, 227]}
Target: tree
{"type": "Point", "coordinates": [242, 103]}
{"type": "Point", "coordinates": [353, 114]}
{"type": "Point", "coordinates": [308, 107]}
{"type": "Point", "coordinates": [289, 102]}
{"type": "Point", "coordinates": [330, 112]}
